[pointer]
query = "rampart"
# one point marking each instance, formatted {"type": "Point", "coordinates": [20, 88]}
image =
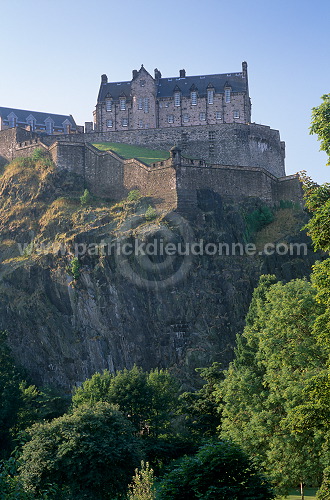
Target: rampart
{"type": "Point", "coordinates": [173, 183]}
{"type": "Point", "coordinates": [225, 144]}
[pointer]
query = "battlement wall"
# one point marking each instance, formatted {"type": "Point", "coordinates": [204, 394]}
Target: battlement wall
{"type": "Point", "coordinates": [226, 144]}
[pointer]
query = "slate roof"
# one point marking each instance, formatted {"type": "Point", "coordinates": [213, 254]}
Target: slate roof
{"type": "Point", "coordinates": [166, 86]}
{"type": "Point", "coordinates": [40, 117]}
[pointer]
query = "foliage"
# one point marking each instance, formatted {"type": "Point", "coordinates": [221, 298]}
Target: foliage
{"type": "Point", "coordinates": [324, 491]}
{"type": "Point", "coordinates": [91, 451]}
{"type": "Point", "coordinates": [276, 358]}
{"type": "Point", "coordinates": [147, 399]}
{"type": "Point", "coordinates": [320, 124]}
{"type": "Point", "coordinates": [39, 153]}
{"type": "Point", "coordinates": [201, 408]}
{"type": "Point", "coordinates": [150, 214]}
{"type": "Point", "coordinates": [85, 199]}
{"type": "Point", "coordinates": [10, 395]}
{"type": "Point", "coordinates": [317, 201]}
{"type": "Point", "coordinates": [74, 268]}
{"type": "Point", "coordinates": [142, 487]}
{"type": "Point", "coordinates": [258, 219]}
{"type": "Point", "coordinates": [133, 195]}
{"type": "Point", "coordinates": [219, 471]}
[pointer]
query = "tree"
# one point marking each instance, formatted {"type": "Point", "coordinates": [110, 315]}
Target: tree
{"type": "Point", "coordinates": [201, 408]}
{"type": "Point", "coordinates": [142, 487]}
{"type": "Point", "coordinates": [10, 395]}
{"type": "Point", "coordinates": [147, 399]}
{"type": "Point", "coordinates": [90, 453]}
{"type": "Point", "coordinates": [218, 471]}
{"type": "Point", "coordinates": [276, 359]}
{"type": "Point", "coordinates": [320, 124]}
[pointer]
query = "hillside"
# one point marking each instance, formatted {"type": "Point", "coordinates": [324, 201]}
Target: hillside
{"type": "Point", "coordinates": [71, 315]}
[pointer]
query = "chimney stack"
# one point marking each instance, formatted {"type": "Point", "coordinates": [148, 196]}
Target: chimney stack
{"type": "Point", "coordinates": [158, 74]}
{"type": "Point", "coordinates": [134, 73]}
{"type": "Point", "coordinates": [104, 79]}
{"type": "Point", "coordinates": [182, 73]}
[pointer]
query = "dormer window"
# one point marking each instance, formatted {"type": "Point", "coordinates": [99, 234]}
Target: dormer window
{"type": "Point", "coordinates": [193, 96]}
{"type": "Point", "coordinates": [210, 97]}
{"type": "Point", "coordinates": [12, 120]}
{"type": "Point", "coordinates": [31, 121]}
{"type": "Point", "coordinates": [227, 94]}
{"type": "Point", "coordinates": [122, 104]}
{"type": "Point", "coordinates": [108, 105]}
{"type": "Point", "coordinates": [177, 99]}
{"type": "Point", "coordinates": [49, 125]}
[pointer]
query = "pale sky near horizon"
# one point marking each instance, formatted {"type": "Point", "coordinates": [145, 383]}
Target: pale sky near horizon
{"type": "Point", "coordinates": [53, 54]}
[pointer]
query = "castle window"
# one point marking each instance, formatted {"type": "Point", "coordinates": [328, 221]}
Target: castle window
{"type": "Point", "coordinates": [218, 115]}
{"type": "Point", "coordinates": [211, 135]}
{"type": "Point", "coordinates": [109, 123]}
{"type": "Point", "coordinates": [108, 105]}
{"type": "Point", "coordinates": [193, 96]}
{"type": "Point", "coordinates": [146, 105]}
{"type": "Point", "coordinates": [142, 83]}
{"type": "Point", "coordinates": [12, 120]}
{"type": "Point", "coordinates": [49, 125]}
{"type": "Point", "coordinates": [140, 123]}
{"type": "Point", "coordinates": [122, 104]}
{"type": "Point", "coordinates": [185, 118]}
{"type": "Point", "coordinates": [227, 95]}
{"type": "Point", "coordinates": [177, 99]}
{"type": "Point", "coordinates": [140, 103]}
{"type": "Point", "coordinates": [124, 122]}
{"type": "Point", "coordinates": [210, 96]}
{"type": "Point", "coordinates": [236, 114]}
{"type": "Point", "coordinates": [170, 119]}
{"type": "Point", "coordinates": [202, 116]}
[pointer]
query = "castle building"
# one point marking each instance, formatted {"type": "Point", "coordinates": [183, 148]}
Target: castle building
{"type": "Point", "coordinates": [148, 102]}
{"type": "Point", "coordinates": [36, 121]}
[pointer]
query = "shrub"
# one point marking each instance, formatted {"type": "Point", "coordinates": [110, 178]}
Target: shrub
{"type": "Point", "coordinates": [133, 195]}
{"type": "Point", "coordinates": [150, 214]}
{"type": "Point", "coordinates": [142, 487]}
{"type": "Point", "coordinates": [75, 268]}
{"type": "Point", "coordinates": [85, 199]}
{"type": "Point", "coordinates": [219, 471]}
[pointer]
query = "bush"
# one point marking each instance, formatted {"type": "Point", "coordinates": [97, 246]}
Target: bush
{"type": "Point", "coordinates": [75, 268]}
{"type": "Point", "coordinates": [150, 214]}
{"type": "Point", "coordinates": [85, 199]}
{"type": "Point", "coordinates": [133, 195]}
{"type": "Point", "coordinates": [219, 471]}
{"type": "Point", "coordinates": [142, 487]}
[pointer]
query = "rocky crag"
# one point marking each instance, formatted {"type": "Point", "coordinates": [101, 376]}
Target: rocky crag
{"type": "Point", "coordinates": [73, 305]}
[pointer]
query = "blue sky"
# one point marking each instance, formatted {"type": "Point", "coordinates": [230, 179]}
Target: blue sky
{"type": "Point", "coordinates": [53, 53]}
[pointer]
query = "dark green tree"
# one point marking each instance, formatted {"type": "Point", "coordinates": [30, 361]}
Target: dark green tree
{"type": "Point", "coordinates": [218, 471]}
{"type": "Point", "coordinates": [10, 395]}
{"type": "Point", "coordinates": [90, 453]}
{"type": "Point", "coordinates": [276, 358]}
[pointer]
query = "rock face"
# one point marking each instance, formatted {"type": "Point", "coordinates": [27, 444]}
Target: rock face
{"type": "Point", "coordinates": [73, 304]}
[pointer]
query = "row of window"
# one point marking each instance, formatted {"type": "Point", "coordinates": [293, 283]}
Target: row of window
{"type": "Point", "coordinates": [170, 119]}
{"type": "Point", "coordinates": [202, 116]}
{"type": "Point", "coordinates": [143, 103]}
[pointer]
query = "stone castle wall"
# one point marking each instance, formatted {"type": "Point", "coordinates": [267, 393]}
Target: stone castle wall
{"type": "Point", "coordinates": [173, 183]}
{"type": "Point", "coordinates": [227, 144]}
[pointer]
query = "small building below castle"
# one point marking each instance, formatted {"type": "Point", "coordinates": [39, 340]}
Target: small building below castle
{"type": "Point", "coordinates": [36, 121]}
{"type": "Point", "coordinates": [149, 102]}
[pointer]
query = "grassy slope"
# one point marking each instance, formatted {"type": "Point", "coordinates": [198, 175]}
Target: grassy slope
{"type": "Point", "coordinates": [127, 151]}
{"type": "Point", "coordinates": [309, 493]}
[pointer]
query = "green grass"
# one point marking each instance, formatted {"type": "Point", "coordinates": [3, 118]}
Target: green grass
{"type": "Point", "coordinates": [127, 151]}
{"type": "Point", "coordinates": [309, 493]}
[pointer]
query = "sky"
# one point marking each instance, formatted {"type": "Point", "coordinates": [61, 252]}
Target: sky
{"type": "Point", "coordinates": [52, 55]}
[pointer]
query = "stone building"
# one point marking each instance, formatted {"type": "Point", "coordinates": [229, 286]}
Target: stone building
{"type": "Point", "coordinates": [36, 121]}
{"type": "Point", "coordinates": [148, 102]}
